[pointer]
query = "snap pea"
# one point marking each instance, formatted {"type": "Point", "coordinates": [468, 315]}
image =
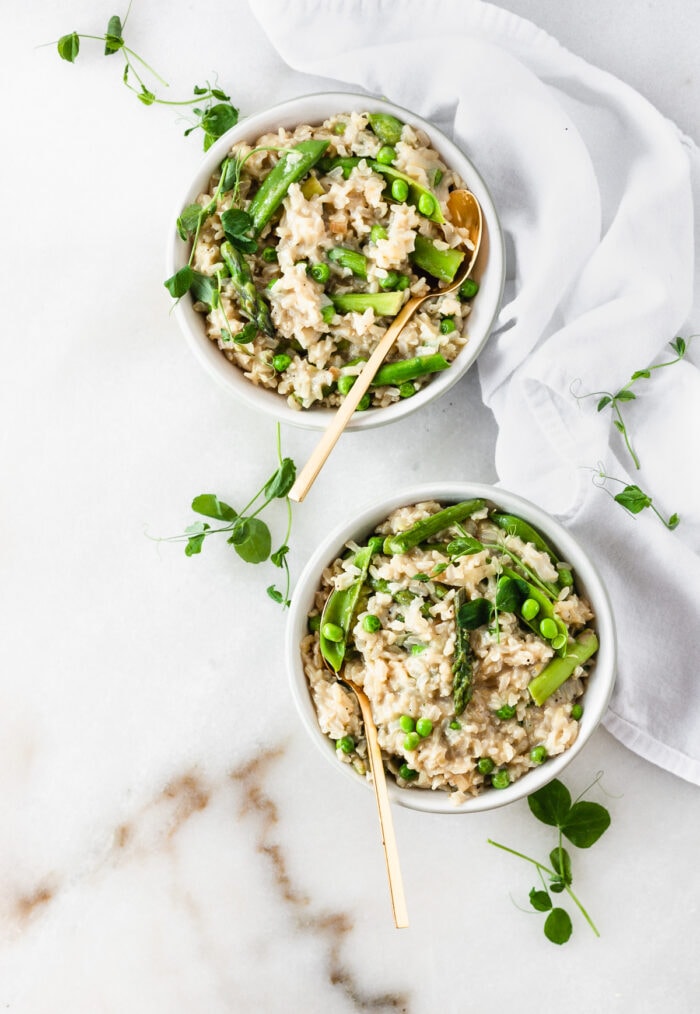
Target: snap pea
{"type": "Point", "coordinates": [345, 162]}
{"type": "Point", "coordinates": [292, 166]}
{"type": "Point", "coordinates": [352, 259]}
{"type": "Point", "coordinates": [514, 525]}
{"type": "Point", "coordinates": [387, 128]}
{"type": "Point", "coordinates": [251, 303]}
{"type": "Point", "coordinates": [546, 611]}
{"type": "Point", "coordinates": [424, 529]}
{"type": "Point", "coordinates": [384, 304]}
{"type": "Point", "coordinates": [395, 374]}
{"type": "Point", "coordinates": [558, 670]}
{"type": "Point", "coordinates": [341, 605]}
{"type": "Point", "coordinates": [416, 191]}
{"type": "Point", "coordinates": [441, 264]}
{"type": "Point", "coordinates": [463, 666]}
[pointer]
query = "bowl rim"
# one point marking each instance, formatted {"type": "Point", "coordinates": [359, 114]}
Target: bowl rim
{"type": "Point", "coordinates": [601, 681]}
{"type": "Point", "coordinates": [491, 262]}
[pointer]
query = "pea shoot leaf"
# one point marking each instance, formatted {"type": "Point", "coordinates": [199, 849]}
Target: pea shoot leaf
{"type": "Point", "coordinates": [561, 862]}
{"type": "Point", "coordinates": [673, 522]}
{"type": "Point", "coordinates": [189, 220]}
{"type": "Point", "coordinates": [473, 614]}
{"type": "Point", "coordinates": [254, 541]}
{"type": "Point", "coordinates": [237, 225]}
{"type": "Point", "coordinates": [509, 594]}
{"type": "Point", "coordinates": [540, 900]}
{"type": "Point", "coordinates": [282, 481]}
{"type": "Point", "coordinates": [216, 120]}
{"type": "Point", "coordinates": [230, 174]}
{"type": "Point", "coordinates": [551, 803]}
{"type": "Point", "coordinates": [641, 374]}
{"type": "Point", "coordinates": [679, 346]}
{"type": "Point", "coordinates": [604, 402]}
{"type": "Point", "coordinates": [278, 556]}
{"type": "Point", "coordinates": [197, 533]}
{"type": "Point", "coordinates": [211, 507]}
{"type": "Point", "coordinates": [180, 283]}
{"type": "Point", "coordinates": [625, 395]}
{"type": "Point", "coordinates": [246, 334]}
{"type": "Point", "coordinates": [113, 36]}
{"type": "Point", "coordinates": [584, 824]}
{"type": "Point", "coordinates": [276, 595]}
{"type": "Point", "coordinates": [204, 289]}
{"type": "Point", "coordinates": [464, 546]}
{"type": "Point", "coordinates": [557, 926]}
{"type": "Point", "coordinates": [633, 499]}
{"type": "Point", "coordinates": [68, 47]}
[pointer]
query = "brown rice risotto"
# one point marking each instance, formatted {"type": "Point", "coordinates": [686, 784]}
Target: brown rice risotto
{"type": "Point", "coordinates": [306, 245]}
{"type": "Point", "coordinates": [469, 638]}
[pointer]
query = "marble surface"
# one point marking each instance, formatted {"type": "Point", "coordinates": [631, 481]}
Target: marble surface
{"type": "Point", "coordinates": [170, 840]}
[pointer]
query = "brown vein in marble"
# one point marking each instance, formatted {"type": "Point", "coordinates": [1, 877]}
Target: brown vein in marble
{"type": "Point", "coordinates": [29, 904]}
{"type": "Point", "coordinates": [334, 927]}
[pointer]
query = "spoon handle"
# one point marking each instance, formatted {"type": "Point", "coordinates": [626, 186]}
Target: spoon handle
{"type": "Point", "coordinates": [391, 853]}
{"type": "Point", "coordinates": [307, 476]}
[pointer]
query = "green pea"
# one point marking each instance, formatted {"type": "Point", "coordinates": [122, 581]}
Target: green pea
{"type": "Point", "coordinates": [377, 232]}
{"type": "Point", "coordinates": [437, 178]}
{"type": "Point", "coordinates": [485, 765]}
{"type": "Point", "coordinates": [559, 642]}
{"type": "Point", "coordinates": [281, 362]}
{"type": "Point", "coordinates": [363, 404]}
{"type": "Point", "coordinates": [399, 190]}
{"type": "Point", "coordinates": [407, 723]}
{"type": "Point", "coordinates": [538, 754]}
{"type": "Point", "coordinates": [407, 389]}
{"type": "Point", "coordinates": [327, 313]}
{"type": "Point", "coordinates": [506, 711]}
{"type": "Point", "coordinates": [447, 325]}
{"type": "Point", "coordinates": [529, 609]}
{"type": "Point", "coordinates": [403, 283]}
{"type": "Point", "coordinates": [269, 255]}
{"type": "Point", "coordinates": [501, 780]}
{"type": "Point", "coordinates": [404, 596]}
{"type": "Point", "coordinates": [345, 383]}
{"type": "Point", "coordinates": [371, 623]}
{"type": "Point", "coordinates": [468, 289]}
{"type": "Point", "coordinates": [332, 632]}
{"type": "Point", "coordinates": [346, 744]}
{"type": "Point", "coordinates": [386, 155]}
{"type": "Point", "coordinates": [411, 741]}
{"type": "Point", "coordinates": [548, 628]}
{"type": "Point", "coordinates": [390, 282]}
{"type": "Point", "coordinates": [426, 204]}
{"type": "Point", "coordinates": [576, 712]}
{"type": "Point", "coordinates": [455, 724]}
{"type": "Point", "coordinates": [314, 623]}
{"type": "Point", "coordinates": [407, 773]}
{"type": "Point", "coordinates": [319, 272]}
{"type": "Point", "coordinates": [339, 127]}
{"type": "Point", "coordinates": [424, 727]}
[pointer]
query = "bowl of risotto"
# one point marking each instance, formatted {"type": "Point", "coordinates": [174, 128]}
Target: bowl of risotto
{"type": "Point", "coordinates": [304, 231]}
{"type": "Point", "coordinates": [478, 628]}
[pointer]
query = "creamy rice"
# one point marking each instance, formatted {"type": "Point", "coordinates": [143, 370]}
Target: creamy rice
{"type": "Point", "coordinates": [405, 657]}
{"type": "Point", "coordinates": [331, 208]}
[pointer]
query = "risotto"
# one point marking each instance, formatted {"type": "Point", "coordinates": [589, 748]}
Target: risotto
{"type": "Point", "coordinates": [307, 244]}
{"type": "Point", "coordinates": [469, 638]}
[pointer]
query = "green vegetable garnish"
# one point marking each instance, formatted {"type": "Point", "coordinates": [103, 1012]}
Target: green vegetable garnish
{"type": "Point", "coordinates": [582, 823]}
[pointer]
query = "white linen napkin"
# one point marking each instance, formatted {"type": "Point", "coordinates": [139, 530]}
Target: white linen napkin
{"type": "Point", "coordinates": [594, 189]}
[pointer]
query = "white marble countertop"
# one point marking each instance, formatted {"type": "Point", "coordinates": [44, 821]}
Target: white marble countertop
{"type": "Point", "coordinates": [170, 840]}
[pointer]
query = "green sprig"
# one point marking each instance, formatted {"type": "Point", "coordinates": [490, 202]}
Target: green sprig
{"type": "Point", "coordinates": [633, 498]}
{"type": "Point", "coordinates": [211, 106]}
{"type": "Point", "coordinates": [249, 535]}
{"type": "Point", "coordinates": [582, 823]}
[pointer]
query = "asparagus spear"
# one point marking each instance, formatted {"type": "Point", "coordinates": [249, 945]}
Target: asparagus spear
{"type": "Point", "coordinates": [292, 166]}
{"type": "Point", "coordinates": [442, 264]}
{"type": "Point", "coordinates": [422, 530]}
{"type": "Point", "coordinates": [408, 369]}
{"type": "Point", "coordinates": [346, 258]}
{"type": "Point", "coordinates": [462, 668]}
{"type": "Point", "coordinates": [251, 303]}
{"type": "Point", "coordinates": [384, 304]}
{"type": "Point", "coordinates": [559, 669]}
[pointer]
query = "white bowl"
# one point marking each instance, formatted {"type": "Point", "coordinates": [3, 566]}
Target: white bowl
{"type": "Point", "coordinates": [599, 684]}
{"type": "Point", "coordinates": [489, 270]}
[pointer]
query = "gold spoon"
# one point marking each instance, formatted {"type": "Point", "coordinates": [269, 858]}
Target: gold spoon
{"type": "Point", "coordinates": [464, 212]}
{"type": "Point", "coordinates": [376, 765]}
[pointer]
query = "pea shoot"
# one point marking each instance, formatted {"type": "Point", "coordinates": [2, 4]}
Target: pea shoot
{"type": "Point", "coordinates": [249, 535]}
{"type": "Point", "coordinates": [211, 106]}
{"type": "Point", "coordinates": [582, 823]}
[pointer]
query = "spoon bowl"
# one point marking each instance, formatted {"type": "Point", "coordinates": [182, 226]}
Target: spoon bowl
{"type": "Point", "coordinates": [465, 213]}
